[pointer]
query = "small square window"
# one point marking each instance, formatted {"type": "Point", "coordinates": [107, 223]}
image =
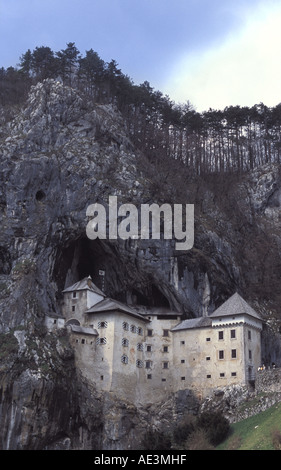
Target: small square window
{"type": "Point", "coordinates": [163, 380]}
{"type": "Point", "coordinates": [148, 348]}
{"type": "Point", "coordinates": [182, 378]}
{"type": "Point", "coordinates": [165, 349]}
{"type": "Point", "coordinates": [233, 374]}
{"type": "Point", "coordinates": [222, 374]}
{"type": "Point", "coordinates": [101, 377]}
{"type": "Point", "coordinates": [208, 339]}
{"type": "Point", "coordinates": [182, 361]}
{"type": "Point", "coordinates": [182, 342]}
{"type": "Point", "coordinates": [165, 332]}
{"type": "Point", "coordinates": [165, 365]}
{"type": "Point", "coordinates": [208, 358]}
{"type": "Point", "coordinates": [149, 332]}
{"type": "Point", "coordinates": [209, 376]}
{"type": "Point", "coordinates": [149, 376]}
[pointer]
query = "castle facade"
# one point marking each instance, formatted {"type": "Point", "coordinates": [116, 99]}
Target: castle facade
{"type": "Point", "coordinates": [145, 354]}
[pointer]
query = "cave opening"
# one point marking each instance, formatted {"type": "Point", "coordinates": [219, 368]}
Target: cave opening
{"type": "Point", "coordinates": [117, 277]}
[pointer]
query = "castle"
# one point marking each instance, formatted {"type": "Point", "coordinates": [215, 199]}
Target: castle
{"type": "Point", "coordinates": [144, 354]}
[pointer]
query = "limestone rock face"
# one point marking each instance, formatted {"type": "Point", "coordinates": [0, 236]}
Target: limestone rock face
{"type": "Point", "coordinates": [59, 154]}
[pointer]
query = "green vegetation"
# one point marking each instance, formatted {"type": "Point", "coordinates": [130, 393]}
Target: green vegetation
{"type": "Point", "coordinates": [259, 432]}
{"type": "Point", "coordinates": [236, 139]}
{"type": "Point", "coordinates": [192, 433]}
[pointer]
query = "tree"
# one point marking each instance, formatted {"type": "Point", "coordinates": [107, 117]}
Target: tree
{"type": "Point", "coordinates": [68, 63]}
{"type": "Point", "coordinates": [43, 63]}
{"type": "Point", "coordinates": [92, 71]}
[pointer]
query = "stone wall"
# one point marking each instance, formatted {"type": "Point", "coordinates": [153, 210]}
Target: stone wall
{"type": "Point", "coordinates": [268, 380]}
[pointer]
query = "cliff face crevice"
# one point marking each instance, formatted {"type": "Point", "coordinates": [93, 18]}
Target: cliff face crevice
{"type": "Point", "coordinates": [59, 154]}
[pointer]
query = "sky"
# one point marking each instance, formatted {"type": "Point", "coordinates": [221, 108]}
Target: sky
{"type": "Point", "coordinates": [212, 53]}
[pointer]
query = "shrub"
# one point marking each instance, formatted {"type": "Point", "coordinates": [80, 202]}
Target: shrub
{"type": "Point", "coordinates": [276, 439]}
{"type": "Point", "coordinates": [198, 440]}
{"type": "Point", "coordinates": [155, 440]}
{"type": "Point", "coordinates": [215, 425]}
{"type": "Point", "coordinates": [183, 429]}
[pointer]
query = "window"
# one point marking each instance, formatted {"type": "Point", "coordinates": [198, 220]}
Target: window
{"type": "Point", "coordinates": [102, 324]}
{"type": "Point", "coordinates": [101, 340]}
{"type": "Point", "coordinates": [165, 365]}
{"type": "Point", "coordinates": [140, 347]}
{"type": "Point", "coordinates": [222, 374]}
{"type": "Point", "coordinates": [124, 359]}
{"type": "Point", "coordinates": [250, 354]}
{"type": "Point", "coordinates": [208, 339]}
{"type": "Point", "coordinates": [73, 308]}
{"type": "Point", "coordinates": [148, 364]}
{"type": "Point", "coordinates": [182, 342]}
{"type": "Point", "coordinates": [209, 376]}
{"type": "Point", "coordinates": [139, 363]}
{"type": "Point", "coordinates": [220, 335]}
{"type": "Point", "coordinates": [165, 332]}
{"type": "Point", "coordinates": [163, 380]}
{"type": "Point", "coordinates": [221, 354]}
{"type": "Point", "coordinates": [165, 349]}
{"type": "Point", "coordinates": [101, 377]}
{"type": "Point", "coordinates": [182, 378]}
{"type": "Point", "coordinates": [249, 335]}
{"type": "Point", "coordinates": [148, 348]}
{"type": "Point", "coordinates": [182, 361]}
{"type": "Point", "coordinates": [140, 331]}
{"type": "Point", "coordinates": [133, 329]}
{"type": "Point", "coordinates": [149, 332]}
{"type": "Point", "coordinates": [83, 341]}
{"type": "Point", "coordinates": [208, 358]}
{"type": "Point", "coordinates": [233, 354]}
{"type": "Point", "coordinates": [233, 374]}
{"type": "Point", "coordinates": [232, 334]}
{"type": "Point", "coordinates": [74, 295]}
{"type": "Point", "coordinates": [149, 376]}
{"type": "Point", "coordinates": [125, 326]}
{"type": "Point", "coordinates": [125, 342]}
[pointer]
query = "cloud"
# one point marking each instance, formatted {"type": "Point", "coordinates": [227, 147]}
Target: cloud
{"type": "Point", "coordinates": [244, 70]}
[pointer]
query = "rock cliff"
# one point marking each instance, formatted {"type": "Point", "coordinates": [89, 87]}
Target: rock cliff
{"type": "Point", "coordinates": [59, 154]}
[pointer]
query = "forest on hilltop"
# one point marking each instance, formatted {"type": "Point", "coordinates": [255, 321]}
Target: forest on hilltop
{"type": "Point", "coordinates": [236, 139]}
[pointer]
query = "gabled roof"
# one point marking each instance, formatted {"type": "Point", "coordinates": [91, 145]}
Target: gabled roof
{"type": "Point", "coordinates": [83, 330]}
{"type": "Point", "coordinates": [199, 322]}
{"type": "Point", "coordinates": [85, 284]}
{"type": "Point", "coordinates": [109, 305]}
{"type": "Point", "coordinates": [235, 305]}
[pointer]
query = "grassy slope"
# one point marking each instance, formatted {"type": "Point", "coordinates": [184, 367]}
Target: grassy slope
{"type": "Point", "coordinates": [256, 432]}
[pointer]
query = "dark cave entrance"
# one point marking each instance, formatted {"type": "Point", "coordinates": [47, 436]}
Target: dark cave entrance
{"type": "Point", "coordinates": [116, 276]}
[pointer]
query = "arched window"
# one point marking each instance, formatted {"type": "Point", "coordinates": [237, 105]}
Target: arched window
{"type": "Point", "coordinates": [124, 359]}
{"type": "Point", "coordinates": [139, 363]}
{"type": "Point", "coordinates": [102, 324]}
{"type": "Point", "coordinates": [125, 342]}
{"type": "Point", "coordinates": [140, 347]}
{"type": "Point", "coordinates": [101, 340]}
{"type": "Point", "coordinates": [125, 326]}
